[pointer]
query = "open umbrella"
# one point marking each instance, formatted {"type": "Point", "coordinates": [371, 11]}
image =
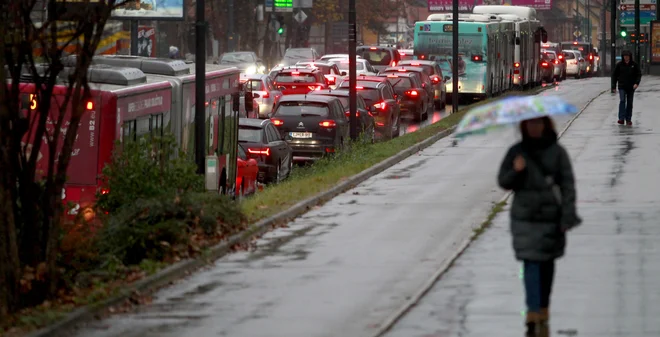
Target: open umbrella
{"type": "Point", "coordinates": [511, 111]}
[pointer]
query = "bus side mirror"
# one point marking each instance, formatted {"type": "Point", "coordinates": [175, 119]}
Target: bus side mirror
{"type": "Point", "coordinates": [235, 101]}
{"type": "Point", "coordinates": [249, 102]}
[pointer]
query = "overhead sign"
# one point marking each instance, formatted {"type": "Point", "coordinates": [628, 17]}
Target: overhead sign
{"type": "Point", "coordinates": [631, 8]}
{"type": "Point", "coordinates": [150, 10]}
{"type": "Point", "coordinates": [283, 5]}
{"type": "Point", "coordinates": [645, 17]}
{"type": "Point", "coordinates": [641, 2]}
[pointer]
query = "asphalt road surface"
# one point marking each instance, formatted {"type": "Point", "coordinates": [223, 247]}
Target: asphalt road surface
{"type": "Point", "coordinates": [342, 268]}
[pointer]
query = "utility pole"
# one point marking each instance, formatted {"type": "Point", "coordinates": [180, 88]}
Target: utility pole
{"type": "Point", "coordinates": [134, 37]}
{"type": "Point", "coordinates": [589, 20]}
{"type": "Point", "coordinates": [352, 69]}
{"type": "Point", "coordinates": [454, 57]}
{"type": "Point", "coordinates": [638, 53]}
{"type": "Point", "coordinates": [230, 24]}
{"type": "Point", "coordinates": [200, 94]}
{"type": "Point", "coordinates": [613, 35]}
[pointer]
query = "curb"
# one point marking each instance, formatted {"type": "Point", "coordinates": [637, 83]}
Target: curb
{"type": "Point", "coordinates": [182, 269]}
{"type": "Point", "coordinates": [391, 320]}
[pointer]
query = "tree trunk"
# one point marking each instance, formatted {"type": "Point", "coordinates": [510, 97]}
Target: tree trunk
{"type": "Point", "coordinates": [9, 262]}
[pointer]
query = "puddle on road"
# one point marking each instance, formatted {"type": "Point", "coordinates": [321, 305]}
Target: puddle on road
{"type": "Point", "coordinates": [620, 160]}
{"type": "Point", "coordinates": [405, 172]}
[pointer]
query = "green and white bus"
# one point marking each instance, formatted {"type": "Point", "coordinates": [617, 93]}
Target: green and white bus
{"type": "Point", "coordinates": [485, 48]}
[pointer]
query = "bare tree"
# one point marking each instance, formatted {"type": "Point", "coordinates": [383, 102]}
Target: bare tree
{"type": "Point", "coordinates": [31, 200]}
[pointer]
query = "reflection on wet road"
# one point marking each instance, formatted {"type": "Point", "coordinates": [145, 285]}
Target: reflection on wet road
{"type": "Point", "coordinates": [606, 285]}
{"type": "Point", "coordinates": [342, 268]}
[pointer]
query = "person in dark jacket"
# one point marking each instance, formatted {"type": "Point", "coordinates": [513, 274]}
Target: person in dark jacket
{"type": "Point", "coordinates": [539, 172]}
{"type": "Point", "coordinates": [628, 74]}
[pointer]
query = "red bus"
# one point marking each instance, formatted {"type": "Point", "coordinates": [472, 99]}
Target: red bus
{"type": "Point", "coordinates": [223, 106]}
{"type": "Point", "coordinates": [118, 96]}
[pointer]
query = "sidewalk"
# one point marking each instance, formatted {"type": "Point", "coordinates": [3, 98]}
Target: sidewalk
{"type": "Point", "coordinates": [608, 284]}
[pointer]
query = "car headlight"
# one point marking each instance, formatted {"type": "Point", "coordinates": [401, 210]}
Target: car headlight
{"type": "Point", "coordinates": [262, 69]}
{"type": "Point", "coordinates": [251, 70]}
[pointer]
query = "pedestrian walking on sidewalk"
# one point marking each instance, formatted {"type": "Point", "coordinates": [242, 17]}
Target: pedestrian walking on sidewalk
{"type": "Point", "coordinates": [539, 172]}
{"type": "Point", "coordinates": [628, 74]}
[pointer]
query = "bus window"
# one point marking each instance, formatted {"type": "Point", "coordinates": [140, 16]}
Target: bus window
{"type": "Point", "coordinates": [142, 126]}
{"type": "Point", "coordinates": [128, 131]}
{"type": "Point", "coordinates": [157, 125]}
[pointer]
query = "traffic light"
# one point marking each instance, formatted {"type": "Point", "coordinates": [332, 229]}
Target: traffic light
{"type": "Point", "coordinates": [642, 38]}
{"type": "Point", "coordinates": [633, 37]}
{"type": "Point", "coordinates": [280, 20]}
{"type": "Point", "coordinates": [623, 32]}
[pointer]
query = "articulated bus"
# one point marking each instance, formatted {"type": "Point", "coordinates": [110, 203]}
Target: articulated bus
{"type": "Point", "coordinates": [529, 33]}
{"type": "Point", "coordinates": [126, 104]}
{"type": "Point", "coordinates": [485, 64]}
{"type": "Point", "coordinates": [221, 83]}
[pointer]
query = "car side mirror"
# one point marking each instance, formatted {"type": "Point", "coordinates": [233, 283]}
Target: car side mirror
{"type": "Point", "coordinates": [447, 78]}
{"type": "Point", "coordinates": [281, 87]}
{"type": "Point", "coordinates": [373, 110]}
{"type": "Point", "coordinates": [343, 73]}
{"type": "Point", "coordinates": [256, 96]}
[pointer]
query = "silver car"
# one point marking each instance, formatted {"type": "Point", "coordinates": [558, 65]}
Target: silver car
{"type": "Point", "coordinates": [248, 62]}
{"type": "Point", "coordinates": [327, 57]}
{"type": "Point", "coordinates": [265, 93]}
{"type": "Point", "coordinates": [559, 68]}
{"type": "Point", "coordinates": [362, 67]}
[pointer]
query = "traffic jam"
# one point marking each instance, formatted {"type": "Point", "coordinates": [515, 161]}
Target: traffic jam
{"type": "Point", "coordinates": [263, 122]}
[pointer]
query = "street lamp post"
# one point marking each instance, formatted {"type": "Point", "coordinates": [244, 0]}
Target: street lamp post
{"type": "Point", "coordinates": [352, 70]}
{"type": "Point", "coordinates": [200, 70]}
{"type": "Point", "coordinates": [454, 57]}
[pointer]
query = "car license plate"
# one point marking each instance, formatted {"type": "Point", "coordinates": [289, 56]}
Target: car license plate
{"type": "Point", "coordinates": [301, 134]}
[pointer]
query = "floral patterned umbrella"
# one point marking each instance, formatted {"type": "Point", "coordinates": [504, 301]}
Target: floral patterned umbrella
{"type": "Point", "coordinates": [510, 111]}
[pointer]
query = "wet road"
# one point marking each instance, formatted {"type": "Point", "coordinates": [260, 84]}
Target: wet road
{"type": "Point", "coordinates": [343, 267]}
{"type": "Point", "coordinates": [607, 284]}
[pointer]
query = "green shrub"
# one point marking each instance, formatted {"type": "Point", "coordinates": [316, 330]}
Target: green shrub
{"type": "Point", "coordinates": [146, 168]}
{"type": "Point", "coordinates": [160, 228]}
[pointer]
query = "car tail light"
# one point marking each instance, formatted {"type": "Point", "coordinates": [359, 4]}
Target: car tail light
{"type": "Point", "coordinates": [415, 64]}
{"type": "Point", "coordinates": [477, 58]}
{"type": "Point", "coordinates": [359, 88]}
{"type": "Point", "coordinates": [393, 63]}
{"type": "Point", "coordinates": [348, 114]}
{"type": "Point", "coordinates": [516, 65]}
{"type": "Point", "coordinates": [331, 80]}
{"type": "Point", "coordinates": [561, 57]}
{"type": "Point", "coordinates": [265, 95]}
{"type": "Point", "coordinates": [260, 152]}
{"type": "Point", "coordinates": [327, 124]}
{"type": "Point", "coordinates": [90, 105]}
{"type": "Point", "coordinates": [435, 79]}
{"type": "Point", "coordinates": [381, 105]}
{"type": "Point", "coordinates": [591, 57]}
{"type": "Point", "coordinates": [277, 122]}
{"type": "Point", "coordinates": [411, 93]}
{"type": "Point", "coordinates": [295, 73]}
{"type": "Point", "coordinates": [544, 64]}
{"type": "Point", "coordinates": [402, 70]}
{"type": "Point", "coordinates": [373, 48]}
{"type": "Point", "coordinates": [315, 87]}
{"type": "Point", "coordinates": [556, 62]}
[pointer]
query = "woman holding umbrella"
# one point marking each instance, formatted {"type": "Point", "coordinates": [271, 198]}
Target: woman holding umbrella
{"type": "Point", "coordinates": [539, 172]}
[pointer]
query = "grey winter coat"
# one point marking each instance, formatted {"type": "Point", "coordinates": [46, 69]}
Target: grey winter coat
{"type": "Point", "coordinates": [540, 217]}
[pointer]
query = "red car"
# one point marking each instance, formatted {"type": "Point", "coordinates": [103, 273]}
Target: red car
{"type": "Point", "coordinates": [330, 70]}
{"type": "Point", "coordinates": [246, 177]}
{"type": "Point", "coordinates": [294, 80]}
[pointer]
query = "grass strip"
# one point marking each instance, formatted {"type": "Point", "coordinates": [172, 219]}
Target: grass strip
{"type": "Point", "coordinates": [324, 174]}
{"type": "Point", "coordinates": [497, 208]}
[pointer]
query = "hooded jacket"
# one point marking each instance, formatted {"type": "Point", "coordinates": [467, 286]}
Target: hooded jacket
{"type": "Point", "coordinates": [538, 220]}
{"type": "Point", "coordinates": [626, 74]}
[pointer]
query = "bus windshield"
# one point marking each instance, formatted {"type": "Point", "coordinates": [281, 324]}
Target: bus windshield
{"type": "Point", "coordinates": [438, 47]}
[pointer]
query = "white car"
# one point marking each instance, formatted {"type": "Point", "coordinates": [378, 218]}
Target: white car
{"type": "Point", "coordinates": [336, 56]}
{"type": "Point", "coordinates": [362, 67]}
{"type": "Point", "coordinates": [265, 94]}
{"type": "Point", "coordinates": [573, 67]}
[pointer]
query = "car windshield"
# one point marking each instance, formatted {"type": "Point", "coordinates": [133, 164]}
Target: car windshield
{"type": "Point", "coordinates": [400, 82]}
{"type": "Point", "coordinates": [237, 58]}
{"type": "Point", "coordinates": [299, 54]}
{"type": "Point", "coordinates": [377, 57]}
{"type": "Point", "coordinates": [550, 56]}
{"type": "Point", "coordinates": [250, 134]}
{"type": "Point", "coordinates": [569, 56]}
{"type": "Point", "coordinates": [257, 85]}
{"type": "Point", "coordinates": [427, 68]}
{"type": "Point", "coordinates": [323, 68]}
{"type": "Point", "coordinates": [343, 65]}
{"type": "Point", "coordinates": [295, 78]}
{"type": "Point", "coordinates": [303, 109]}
